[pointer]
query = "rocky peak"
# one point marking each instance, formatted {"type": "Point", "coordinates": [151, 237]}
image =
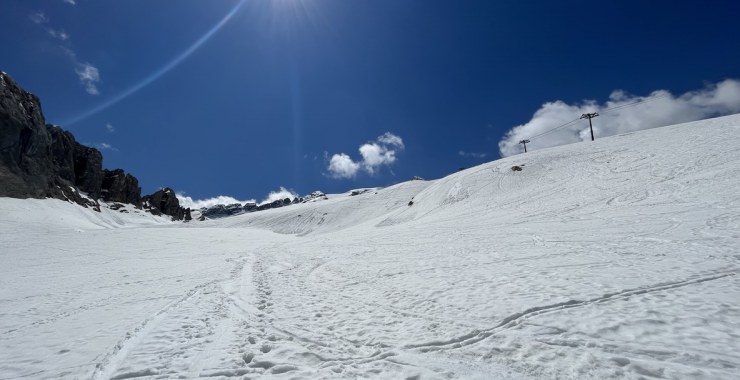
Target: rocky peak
{"type": "Point", "coordinates": [164, 201]}
{"type": "Point", "coordinates": [121, 187]}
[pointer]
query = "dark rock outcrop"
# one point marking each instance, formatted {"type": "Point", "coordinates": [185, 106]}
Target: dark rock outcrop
{"type": "Point", "coordinates": [121, 187]}
{"type": "Point", "coordinates": [62, 153]}
{"type": "Point", "coordinates": [88, 170]}
{"type": "Point", "coordinates": [45, 161]}
{"type": "Point", "coordinates": [40, 161]}
{"type": "Point", "coordinates": [315, 196]}
{"type": "Point", "coordinates": [75, 164]}
{"type": "Point", "coordinates": [250, 206]}
{"type": "Point", "coordinates": [165, 202]}
{"type": "Point", "coordinates": [221, 211]}
{"type": "Point", "coordinates": [25, 145]}
{"type": "Point", "coordinates": [274, 204]}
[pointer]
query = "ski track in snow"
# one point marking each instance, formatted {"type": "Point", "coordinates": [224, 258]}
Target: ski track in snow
{"type": "Point", "coordinates": [613, 259]}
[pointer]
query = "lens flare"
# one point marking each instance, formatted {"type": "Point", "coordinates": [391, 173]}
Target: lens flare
{"type": "Point", "coordinates": [161, 71]}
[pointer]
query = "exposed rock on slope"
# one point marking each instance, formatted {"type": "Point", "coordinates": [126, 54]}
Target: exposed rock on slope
{"type": "Point", "coordinates": [121, 187]}
{"type": "Point", "coordinates": [75, 164]}
{"type": "Point", "coordinates": [221, 211]}
{"type": "Point", "coordinates": [45, 161]}
{"type": "Point", "coordinates": [165, 202]}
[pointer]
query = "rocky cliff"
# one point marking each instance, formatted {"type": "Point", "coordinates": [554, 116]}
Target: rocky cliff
{"type": "Point", "coordinates": [121, 187]}
{"type": "Point", "coordinates": [25, 145]}
{"type": "Point", "coordinates": [45, 161]}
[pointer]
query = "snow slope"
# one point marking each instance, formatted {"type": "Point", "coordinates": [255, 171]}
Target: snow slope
{"type": "Point", "coordinates": [612, 259]}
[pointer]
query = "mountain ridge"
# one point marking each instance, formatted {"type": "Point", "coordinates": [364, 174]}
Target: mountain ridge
{"type": "Point", "coordinates": [39, 160]}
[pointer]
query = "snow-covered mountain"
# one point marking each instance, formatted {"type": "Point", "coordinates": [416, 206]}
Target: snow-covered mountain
{"type": "Point", "coordinates": [612, 259]}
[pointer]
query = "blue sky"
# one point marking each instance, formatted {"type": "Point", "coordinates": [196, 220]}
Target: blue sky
{"type": "Point", "coordinates": [240, 98]}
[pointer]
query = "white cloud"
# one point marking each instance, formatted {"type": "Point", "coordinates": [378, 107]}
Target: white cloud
{"type": "Point", "coordinates": [280, 194]}
{"type": "Point", "coordinates": [58, 34]}
{"type": "Point", "coordinates": [186, 201]}
{"type": "Point", "coordinates": [38, 18]}
{"type": "Point", "coordinates": [88, 74]}
{"type": "Point", "coordinates": [106, 146]}
{"type": "Point", "coordinates": [89, 77]}
{"type": "Point", "coordinates": [374, 154]}
{"type": "Point", "coordinates": [70, 2]}
{"type": "Point", "coordinates": [342, 166]}
{"type": "Point", "coordinates": [391, 139]}
{"type": "Point", "coordinates": [69, 53]}
{"type": "Point", "coordinates": [658, 109]}
{"type": "Point", "coordinates": [472, 154]}
{"type": "Point", "coordinates": [110, 127]}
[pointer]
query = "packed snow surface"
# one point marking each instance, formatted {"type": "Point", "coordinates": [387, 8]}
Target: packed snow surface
{"type": "Point", "coordinates": [612, 259]}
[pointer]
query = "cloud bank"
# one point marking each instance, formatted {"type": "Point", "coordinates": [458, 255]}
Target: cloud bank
{"type": "Point", "coordinates": [280, 194]}
{"type": "Point", "coordinates": [186, 201]}
{"type": "Point", "coordinates": [375, 154]}
{"type": "Point", "coordinates": [660, 108]}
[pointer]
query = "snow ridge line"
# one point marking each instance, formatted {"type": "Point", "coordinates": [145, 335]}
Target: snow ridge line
{"type": "Point", "coordinates": [110, 362]}
{"type": "Point", "coordinates": [517, 318]}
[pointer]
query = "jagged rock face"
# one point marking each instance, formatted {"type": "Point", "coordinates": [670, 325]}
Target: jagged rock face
{"type": "Point", "coordinates": [274, 204]}
{"type": "Point", "coordinates": [39, 161]}
{"type": "Point", "coordinates": [25, 146]}
{"type": "Point", "coordinates": [62, 153]}
{"type": "Point", "coordinates": [121, 187]}
{"type": "Point", "coordinates": [89, 170]}
{"type": "Point", "coordinates": [75, 163]}
{"type": "Point", "coordinates": [165, 202]}
{"type": "Point", "coordinates": [221, 211]}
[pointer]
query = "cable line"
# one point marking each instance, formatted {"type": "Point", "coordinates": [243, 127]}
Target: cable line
{"type": "Point", "coordinates": [554, 129]}
{"type": "Point", "coordinates": [606, 110]}
{"type": "Point", "coordinates": [641, 101]}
